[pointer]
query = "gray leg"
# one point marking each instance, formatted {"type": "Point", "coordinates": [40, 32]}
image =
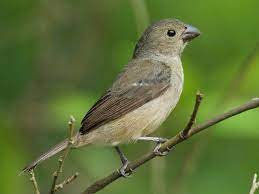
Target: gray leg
{"type": "Point", "coordinates": [158, 141]}
{"type": "Point", "coordinates": [124, 161]}
{"type": "Point", "coordinates": [154, 139]}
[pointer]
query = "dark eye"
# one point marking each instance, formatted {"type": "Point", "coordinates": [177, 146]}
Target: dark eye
{"type": "Point", "coordinates": [171, 33]}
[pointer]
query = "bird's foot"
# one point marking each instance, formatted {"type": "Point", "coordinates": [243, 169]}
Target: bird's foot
{"type": "Point", "coordinates": [123, 168]}
{"type": "Point", "coordinates": [157, 151]}
{"type": "Point", "coordinates": [125, 162]}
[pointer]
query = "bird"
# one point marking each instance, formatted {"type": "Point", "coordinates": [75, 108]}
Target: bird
{"type": "Point", "coordinates": [141, 97]}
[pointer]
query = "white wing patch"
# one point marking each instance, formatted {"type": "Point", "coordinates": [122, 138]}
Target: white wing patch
{"type": "Point", "coordinates": [140, 83]}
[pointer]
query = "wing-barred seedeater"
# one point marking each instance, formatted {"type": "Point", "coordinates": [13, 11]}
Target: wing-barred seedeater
{"type": "Point", "coordinates": [141, 97]}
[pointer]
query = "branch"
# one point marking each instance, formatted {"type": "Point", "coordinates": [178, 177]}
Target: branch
{"type": "Point", "coordinates": [65, 182]}
{"type": "Point", "coordinates": [168, 145]}
{"type": "Point", "coordinates": [255, 185]}
{"type": "Point", "coordinates": [62, 158]}
{"type": "Point", "coordinates": [34, 182]}
{"type": "Point", "coordinates": [192, 120]}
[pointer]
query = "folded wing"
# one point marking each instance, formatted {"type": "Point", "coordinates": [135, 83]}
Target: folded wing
{"type": "Point", "coordinates": [140, 82]}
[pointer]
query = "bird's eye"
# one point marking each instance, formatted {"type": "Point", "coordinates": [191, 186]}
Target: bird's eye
{"type": "Point", "coordinates": [171, 33]}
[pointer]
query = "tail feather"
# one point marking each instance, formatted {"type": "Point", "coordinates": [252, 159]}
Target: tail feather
{"type": "Point", "coordinates": [54, 150]}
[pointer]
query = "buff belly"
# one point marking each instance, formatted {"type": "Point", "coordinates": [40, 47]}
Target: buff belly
{"type": "Point", "coordinates": [138, 123]}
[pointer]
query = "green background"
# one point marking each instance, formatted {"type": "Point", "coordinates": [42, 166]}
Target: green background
{"type": "Point", "coordinates": [57, 58]}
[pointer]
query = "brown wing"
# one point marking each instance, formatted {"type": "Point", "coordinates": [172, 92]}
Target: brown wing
{"type": "Point", "coordinates": [141, 82]}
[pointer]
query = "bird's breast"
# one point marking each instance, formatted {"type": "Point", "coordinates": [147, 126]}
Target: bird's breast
{"type": "Point", "coordinates": [157, 110]}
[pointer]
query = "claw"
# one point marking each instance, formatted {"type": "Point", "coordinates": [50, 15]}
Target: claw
{"type": "Point", "coordinates": [157, 152]}
{"type": "Point", "coordinates": [123, 172]}
{"type": "Point", "coordinates": [168, 149]}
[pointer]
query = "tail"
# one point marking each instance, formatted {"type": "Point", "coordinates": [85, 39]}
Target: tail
{"type": "Point", "coordinates": [54, 150]}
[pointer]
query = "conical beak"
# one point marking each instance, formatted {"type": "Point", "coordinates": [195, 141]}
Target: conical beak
{"type": "Point", "coordinates": [190, 33]}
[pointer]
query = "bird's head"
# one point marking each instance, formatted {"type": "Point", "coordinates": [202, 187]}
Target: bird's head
{"type": "Point", "coordinates": [166, 37]}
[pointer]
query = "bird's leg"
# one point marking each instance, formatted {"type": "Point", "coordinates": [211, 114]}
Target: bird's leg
{"type": "Point", "coordinates": [159, 141]}
{"type": "Point", "coordinates": [154, 139]}
{"type": "Point", "coordinates": [125, 163]}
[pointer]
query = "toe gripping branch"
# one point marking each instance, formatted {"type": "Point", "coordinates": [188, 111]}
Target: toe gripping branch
{"type": "Point", "coordinates": [157, 151]}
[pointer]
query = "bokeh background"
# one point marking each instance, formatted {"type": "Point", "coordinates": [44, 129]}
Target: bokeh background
{"type": "Point", "coordinates": [57, 57]}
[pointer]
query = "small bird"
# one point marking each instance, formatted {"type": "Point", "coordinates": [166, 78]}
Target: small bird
{"type": "Point", "coordinates": [140, 98]}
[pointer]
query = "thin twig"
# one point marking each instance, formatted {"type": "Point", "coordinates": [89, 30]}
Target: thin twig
{"type": "Point", "coordinates": [255, 185]}
{"type": "Point", "coordinates": [192, 120]}
{"type": "Point", "coordinates": [168, 145]}
{"type": "Point", "coordinates": [65, 182]}
{"type": "Point", "coordinates": [62, 158]}
{"type": "Point", "coordinates": [56, 174]}
{"type": "Point", "coordinates": [34, 182]}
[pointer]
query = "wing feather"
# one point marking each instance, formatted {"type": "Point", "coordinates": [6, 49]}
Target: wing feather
{"type": "Point", "coordinates": [138, 84]}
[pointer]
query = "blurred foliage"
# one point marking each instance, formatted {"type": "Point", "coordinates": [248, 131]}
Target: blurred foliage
{"type": "Point", "coordinates": [57, 57]}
